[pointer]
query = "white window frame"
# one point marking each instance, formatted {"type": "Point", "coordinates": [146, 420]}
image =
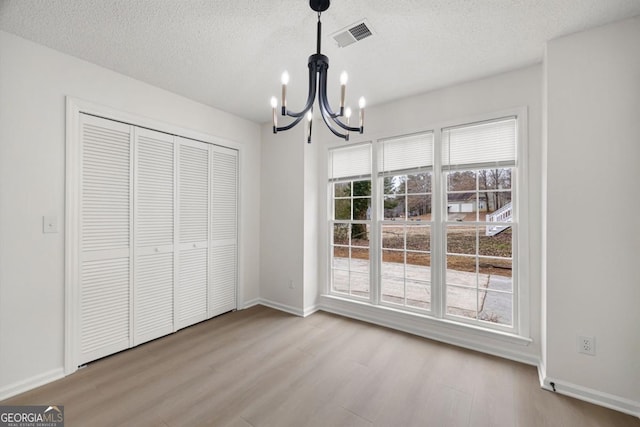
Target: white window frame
{"type": "Point", "coordinates": [332, 221]}
{"type": "Point", "coordinates": [380, 175]}
{"type": "Point", "coordinates": [520, 322]}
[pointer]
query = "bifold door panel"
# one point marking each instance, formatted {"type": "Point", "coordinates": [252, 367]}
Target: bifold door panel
{"type": "Point", "coordinates": [157, 234]}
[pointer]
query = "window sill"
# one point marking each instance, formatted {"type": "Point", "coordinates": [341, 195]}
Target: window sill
{"type": "Point", "coordinates": [498, 343]}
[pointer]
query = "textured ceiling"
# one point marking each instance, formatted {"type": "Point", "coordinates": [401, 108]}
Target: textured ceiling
{"type": "Point", "coordinates": [230, 54]}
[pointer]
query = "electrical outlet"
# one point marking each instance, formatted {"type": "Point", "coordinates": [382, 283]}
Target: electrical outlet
{"type": "Point", "coordinates": [291, 284]}
{"type": "Point", "coordinates": [587, 345]}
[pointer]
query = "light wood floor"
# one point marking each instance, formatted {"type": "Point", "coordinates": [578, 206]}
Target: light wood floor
{"type": "Point", "coordinates": [261, 367]}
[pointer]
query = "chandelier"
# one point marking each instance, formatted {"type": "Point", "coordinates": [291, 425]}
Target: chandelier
{"type": "Point", "coordinates": [318, 66]}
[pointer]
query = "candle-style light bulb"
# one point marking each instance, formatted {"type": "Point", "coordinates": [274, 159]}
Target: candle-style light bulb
{"type": "Point", "coordinates": [362, 103]}
{"type": "Point", "coordinates": [285, 81]}
{"type": "Point", "coordinates": [285, 78]}
{"type": "Point", "coordinates": [344, 77]}
{"type": "Point", "coordinates": [347, 114]}
{"type": "Point", "coordinates": [274, 105]}
{"type": "Point", "coordinates": [343, 89]}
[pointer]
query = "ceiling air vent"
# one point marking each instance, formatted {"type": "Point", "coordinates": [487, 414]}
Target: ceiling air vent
{"type": "Point", "coordinates": [353, 33]}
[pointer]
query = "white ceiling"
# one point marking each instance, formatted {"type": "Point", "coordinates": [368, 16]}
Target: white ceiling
{"type": "Point", "coordinates": [230, 54]}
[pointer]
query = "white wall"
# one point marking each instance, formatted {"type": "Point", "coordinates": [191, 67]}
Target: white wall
{"type": "Point", "coordinates": [290, 217]}
{"type": "Point", "coordinates": [34, 81]}
{"type": "Point", "coordinates": [593, 240]}
{"type": "Point", "coordinates": [282, 201]}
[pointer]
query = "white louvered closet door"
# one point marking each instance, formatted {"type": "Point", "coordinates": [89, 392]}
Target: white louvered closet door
{"type": "Point", "coordinates": [193, 232]}
{"type": "Point", "coordinates": [105, 237]}
{"type": "Point", "coordinates": [153, 281]}
{"type": "Point", "coordinates": [224, 230]}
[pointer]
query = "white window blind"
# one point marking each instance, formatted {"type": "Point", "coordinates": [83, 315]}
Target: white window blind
{"type": "Point", "coordinates": [350, 162]}
{"type": "Point", "coordinates": [406, 153]}
{"type": "Point", "coordinates": [480, 145]}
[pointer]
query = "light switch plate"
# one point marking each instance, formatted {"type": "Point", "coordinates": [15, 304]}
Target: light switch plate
{"type": "Point", "coordinates": [50, 224]}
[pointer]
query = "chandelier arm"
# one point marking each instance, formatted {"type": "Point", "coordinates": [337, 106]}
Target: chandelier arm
{"type": "Point", "coordinates": [327, 110]}
{"type": "Point", "coordinates": [324, 102]}
{"type": "Point", "coordinates": [312, 93]}
{"type": "Point", "coordinates": [335, 119]}
{"type": "Point", "coordinates": [290, 125]}
{"type": "Point", "coordinates": [323, 94]}
{"type": "Point", "coordinates": [325, 119]}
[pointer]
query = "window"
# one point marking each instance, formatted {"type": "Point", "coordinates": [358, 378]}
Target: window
{"type": "Point", "coordinates": [350, 177]}
{"type": "Point", "coordinates": [433, 234]}
{"type": "Point", "coordinates": [405, 167]}
{"type": "Point", "coordinates": [478, 222]}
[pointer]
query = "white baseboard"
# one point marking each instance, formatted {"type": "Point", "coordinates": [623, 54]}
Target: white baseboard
{"type": "Point", "coordinates": [250, 303]}
{"type": "Point", "coordinates": [31, 383]}
{"type": "Point", "coordinates": [310, 310]}
{"type": "Point", "coordinates": [590, 395]}
{"type": "Point", "coordinates": [282, 307]}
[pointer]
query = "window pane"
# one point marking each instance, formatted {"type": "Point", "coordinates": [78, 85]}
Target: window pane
{"type": "Point", "coordinates": [340, 258]}
{"type": "Point", "coordinates": [341, 281]}
{"type": "Point", "coordinates": [360, 284]}
{"type": "Point", "coordinates": [392, 290]}
{"type": "Point", "coordinates": [393, 236]}
{"type": "Point", "coordinates": [394, 207]}
{"type": "Point", "coordinates": [495, 202]}
{"type": "Point", "coordinates": [494, 179]}
{"type": "Point", "coordinates": [461, 270]}
{"type": "Point", "coordinates": [418, 238]}
{"type": "Point", "coordinates": [419, 183]}
{"type": "Point", "coordinates": [341, 234]}
{"type": "Point", "coordinates": [461, 240]}
{"type": "Point", "coordinates": [462, 301]}
{"type": "Point", "coordinates": [342, 189]}
{"type": "Point", "coordinates": [417, 267]}
{"type": "Point", "coordinates": [461, 181]}
{"type": "Point", "coordinates": [392, 263]}
{"type": "Point", "coordinates": [463, 206]}
{"type": "Point", "coordinates": [342, 209]}
{"type": "Point", "coordinates": [389, 184]}
{"type": "Point", "coordinates": [418, 294]}
{"type": "Point", "coordinates": [499, 245]}
{"type": "Point", "coordinates": [360, 234]}
{"type": "Point", "coordinates": [499, 272]}
{"type": "Point", "coordinates": [419, 207]}
{"type": "Point", "coordinates": [360, 260]}
{"type": "Point", "coordinates": [361, 188]}
{"type": "Point", "coordinates": [496, 307]}
{"type": "Point", "coordinates": [361, 209]}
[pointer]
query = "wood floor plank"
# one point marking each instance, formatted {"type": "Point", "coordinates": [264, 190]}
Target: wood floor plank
{"type": "Point", "coordinates": [261, 367]}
